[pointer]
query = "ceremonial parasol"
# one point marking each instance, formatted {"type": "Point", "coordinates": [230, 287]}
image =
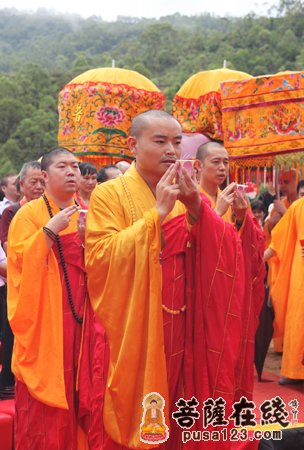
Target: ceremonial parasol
{"type": "Point", "coordinates": [96, 109]}
{"type": "Point", "coordinates": [263, 122]}
{"type": "Point", "coordinates": [190, 144]}
{"type": "Point", "coordinates": [197, 104]}
{"type": "Point", "coordinates": [263, 127]}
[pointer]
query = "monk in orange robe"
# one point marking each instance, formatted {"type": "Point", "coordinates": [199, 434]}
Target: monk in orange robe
{"type": "Point", "coordinates": [46, 304]}
{"type": "Point", "coordinates": [171, 329]}
{"type": "Point", "coordinates": [287, 290]}
{"type": "Point", "coordinates": [288, 188]}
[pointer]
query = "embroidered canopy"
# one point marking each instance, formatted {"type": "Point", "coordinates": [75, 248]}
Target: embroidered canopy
{"type": "Point", "coordinates": [198, 105]}
{"type": "Point", "coordinates": [96, 109]}
{"type": "Point", "coordinates": [264, 117]}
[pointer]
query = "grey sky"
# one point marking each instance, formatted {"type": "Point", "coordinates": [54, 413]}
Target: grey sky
{"type": "Point", "coordinates": [153, 8]}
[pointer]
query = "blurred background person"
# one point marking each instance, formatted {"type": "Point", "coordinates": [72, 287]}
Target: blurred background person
{"type": "Point", "coordinates": [87, 183]}
{"type": "Point", "coordinates": [123, 166]}
{"type": "Point", "coordinates": [9, 189]}
{"type": "Point", "coordinates": [107, 173]}
{"type": "Point", "coordinates": [258, 210]}
{"type": "Point", "coordinates": [300, 189]}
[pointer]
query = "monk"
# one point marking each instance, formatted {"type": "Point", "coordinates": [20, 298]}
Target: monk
{"type": "Point", "coordinates": [46, 305]}
{"type": "Point", "coordinates": [288, 189]}
{"type": "Point", "coordinates": [31, 187]}
{"type": "Point", "coordinates": [172, 329]}
{"type": "Point", "coordinates": [287, 291]}
{"type": "Point", "coordinates": [212, 164]}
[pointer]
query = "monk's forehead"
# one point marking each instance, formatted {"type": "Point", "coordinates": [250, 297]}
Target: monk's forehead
{"type": "Point", "coordinates": [63, 157]}
{"type": "Point", "coordinates": [216, 151]}
{"type": "Point", "coordinates": [161, 126]}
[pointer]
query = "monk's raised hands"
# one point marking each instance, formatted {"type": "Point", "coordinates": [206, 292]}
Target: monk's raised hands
{"type": "Point", "coordinates": [189, 193]}
{"type": "Point", "coordinates": [61, 220]}
{"type": "Point", "coordinates": [167, 191]}
{"type": "Point", "coordinates": [225, 199]}
{"type": "Point", "coordinates": [240, 205]}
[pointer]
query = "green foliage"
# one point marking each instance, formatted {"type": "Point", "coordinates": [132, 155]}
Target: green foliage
{"type": "Point", "coordinates": [40, 53]}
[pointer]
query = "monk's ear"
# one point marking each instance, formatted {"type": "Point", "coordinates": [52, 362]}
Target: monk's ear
{"type": "Point", "coordinates": [132, 144]}
{"type": "Point", "coordinates": [44, 175]}
{"type": "Point", "coordinates": [197, 165]}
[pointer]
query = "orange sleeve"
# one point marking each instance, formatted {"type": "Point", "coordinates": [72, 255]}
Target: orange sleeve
{"type": "Point", "coordinates": [35, 309]}
{"type": "Point", "coordinates": [283, 242]}
{"type": "Point", "coordinates": [124, 281]}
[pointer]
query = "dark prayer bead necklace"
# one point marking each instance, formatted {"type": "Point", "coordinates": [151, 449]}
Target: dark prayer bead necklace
{"type": "Point", "coordinates": [65, 272]}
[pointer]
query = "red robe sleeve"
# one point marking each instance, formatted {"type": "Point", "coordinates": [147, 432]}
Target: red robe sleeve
{"type": "Point", "coordinates": [253, 243]}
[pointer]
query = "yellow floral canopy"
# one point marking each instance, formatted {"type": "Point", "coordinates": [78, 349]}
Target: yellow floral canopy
{"type": "Point", "coordinates": [197, 104]}
{"type": "Point", "coordinates": [264, 117]}
{"type": "Point", "coordinates": [96, 109]}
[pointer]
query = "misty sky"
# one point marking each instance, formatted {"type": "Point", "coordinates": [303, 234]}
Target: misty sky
{"type": "Point", "coordinates": [155, 8]}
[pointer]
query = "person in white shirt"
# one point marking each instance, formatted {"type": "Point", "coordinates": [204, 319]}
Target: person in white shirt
{"type": "Point", "coordinates": [9, 189]}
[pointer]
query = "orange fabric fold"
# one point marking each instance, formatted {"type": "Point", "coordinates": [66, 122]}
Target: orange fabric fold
{"type": "Point", "coordinates": [287, 289]}
{"type": "Point", "coordinates": [35, 304]}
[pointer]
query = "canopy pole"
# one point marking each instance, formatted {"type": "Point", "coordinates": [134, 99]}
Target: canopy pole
{"type": "Point", "coordinates": [276, 182]}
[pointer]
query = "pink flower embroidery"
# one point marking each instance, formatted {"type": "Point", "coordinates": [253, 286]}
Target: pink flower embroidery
{"type": "Point", "coordinates": [193, 111]}
{"type": "Point", "coordinates": [66, 130]}
{"type": "Point", "coordinates": [66, 95]}
{"type": "Point", "coordinates": [110, 116]}
{"type": "Point", "coordinates": [83, 137]}
{"type": "Point", "coordinates": [92, 90]}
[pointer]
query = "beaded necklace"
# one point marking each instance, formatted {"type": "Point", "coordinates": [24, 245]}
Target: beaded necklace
{"type": "Point", "coordinates": [64, 269]}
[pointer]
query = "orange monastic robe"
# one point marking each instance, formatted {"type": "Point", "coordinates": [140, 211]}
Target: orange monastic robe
{"type": "Point", "coordinates": [123, 245]}
{"type": "Point", "coordinates": [288, 288]}
{"type": "Point", "coordinates": [272, 275]}
{"type": "Point", "coordinates": [47, 338]}
{"type": "Point", "coordinates": [135, 286]}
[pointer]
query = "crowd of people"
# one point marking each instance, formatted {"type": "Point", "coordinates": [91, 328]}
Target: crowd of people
{"type": "Point", "coordinates": [141, 280]}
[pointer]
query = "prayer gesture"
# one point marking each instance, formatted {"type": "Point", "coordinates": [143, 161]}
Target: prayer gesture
{"type": "Point", "coordinates": [189, 193]}
{"type": "Point", "coordinates": [61, 220]}
{"type": "Point", "coordinates": [225, 199]}
{"type": "Point", "coordinates": [167, 192]}
{"type": "Point", "coordinates": [240, 205]}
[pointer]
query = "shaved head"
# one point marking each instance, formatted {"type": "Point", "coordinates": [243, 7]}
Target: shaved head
{"type": "Point", "coordinates": [206, 149]}
{"type": "Point", "coordinates": [48, 158]}
{"type": "Point", "coordinates": [140, 122]}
